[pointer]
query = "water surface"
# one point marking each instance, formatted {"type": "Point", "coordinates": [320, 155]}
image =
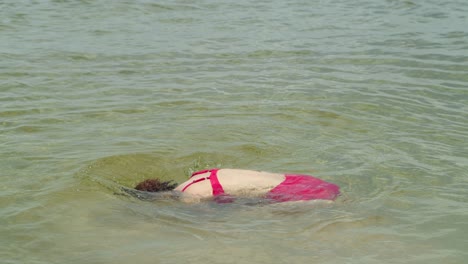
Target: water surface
{"type": "Point", "coordinates": [96, 95]}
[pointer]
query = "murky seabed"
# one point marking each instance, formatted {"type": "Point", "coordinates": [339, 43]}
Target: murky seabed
{"type": "Point", "coordinates": [97, 95]}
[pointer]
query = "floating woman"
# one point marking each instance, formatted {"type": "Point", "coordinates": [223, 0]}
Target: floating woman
{"type": "Point", "coordinates": [225, 184]}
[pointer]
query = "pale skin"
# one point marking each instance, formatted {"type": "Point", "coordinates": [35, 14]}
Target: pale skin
{"type": "Point", "coordinates": [235, 182]}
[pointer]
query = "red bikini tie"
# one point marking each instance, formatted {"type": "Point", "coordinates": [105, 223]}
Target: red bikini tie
{"type": "Point", "coordinates": [215, 185]}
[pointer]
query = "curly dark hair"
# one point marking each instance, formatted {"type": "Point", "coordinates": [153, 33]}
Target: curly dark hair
{"type": "Point", "coordinates": [155, 185]}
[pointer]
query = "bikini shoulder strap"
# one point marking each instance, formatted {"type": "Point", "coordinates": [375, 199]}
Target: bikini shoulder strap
{"type": "Point", "coordinates": [202, 171]}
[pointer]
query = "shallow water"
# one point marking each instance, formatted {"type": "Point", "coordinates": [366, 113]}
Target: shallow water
{"type": "Point", "coordinates": [97, 95]}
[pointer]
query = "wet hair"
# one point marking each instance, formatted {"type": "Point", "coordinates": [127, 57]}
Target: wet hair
{"type": "Point", "coordinates": [155, 185]}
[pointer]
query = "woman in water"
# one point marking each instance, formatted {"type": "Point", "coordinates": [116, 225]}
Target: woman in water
{"type": "Point", "coordinates": [225, 184]}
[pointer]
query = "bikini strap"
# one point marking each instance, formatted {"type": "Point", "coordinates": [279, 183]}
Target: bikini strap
{"type": "Point", "coordinates": [195, 181]}
{"type": "Point", "coordinates": [215, 184]}
{"type": "Point", "coordinates": [202, 171]}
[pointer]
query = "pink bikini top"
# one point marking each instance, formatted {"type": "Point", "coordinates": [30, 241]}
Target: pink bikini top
{"type": "Point", "coordinates": [215, 185]}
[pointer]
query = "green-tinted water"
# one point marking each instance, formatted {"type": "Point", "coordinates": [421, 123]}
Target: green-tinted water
{"type": "Point", "coordinates": [95, 95]}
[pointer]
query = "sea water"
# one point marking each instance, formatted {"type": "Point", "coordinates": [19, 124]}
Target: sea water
{"type": "Point", "coordinates": [98, 95]}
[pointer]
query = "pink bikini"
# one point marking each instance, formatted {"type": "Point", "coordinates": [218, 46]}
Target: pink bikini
{"type": "Point", "coordinates": [215, 185]}
{"type": "Point", "coordinates": [298, 187]}
{"type": "Point", "coordinates": [295, 187]}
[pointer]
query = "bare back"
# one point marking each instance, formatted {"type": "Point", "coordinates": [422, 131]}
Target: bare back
{"type": "Point", "coordinates": [235, 182]}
